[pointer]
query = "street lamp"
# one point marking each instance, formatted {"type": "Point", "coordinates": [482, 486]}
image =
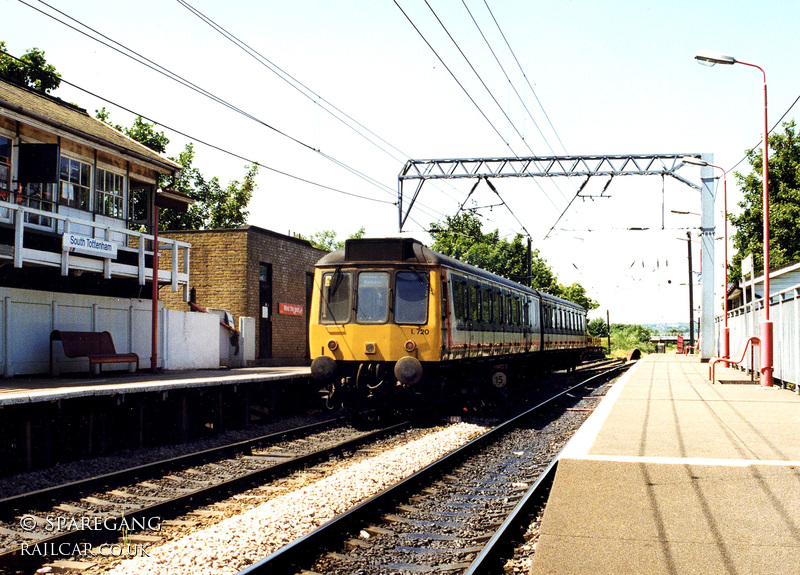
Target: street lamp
{"type": "Point", "coordinates": [710, 58]}
{"type": "Point", "coordinates": [726, 334]}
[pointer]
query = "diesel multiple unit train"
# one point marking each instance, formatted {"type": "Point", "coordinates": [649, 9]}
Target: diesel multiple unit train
{"type": "Point", "coordinates": [391, 313]}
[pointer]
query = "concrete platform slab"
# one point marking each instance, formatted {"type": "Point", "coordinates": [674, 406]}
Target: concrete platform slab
{"type": "Point", "coordinates": [36, 389]}
{"type": "Point", "coordinates": [675, 475]}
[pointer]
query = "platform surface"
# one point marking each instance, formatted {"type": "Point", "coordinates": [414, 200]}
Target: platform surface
{"type": "Point", "coordinates": [20, 389]}
{"type": "Point", "coordinates": [674, 475]}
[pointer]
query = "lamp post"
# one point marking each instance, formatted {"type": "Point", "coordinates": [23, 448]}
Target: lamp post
{"type": "Point", "coordinates": [726, 334]}
{"type": "Point", "coordinates": [710, 58]}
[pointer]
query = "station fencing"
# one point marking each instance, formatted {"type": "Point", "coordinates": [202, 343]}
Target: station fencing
{"type": "Point", "coordinates": [745, 322]}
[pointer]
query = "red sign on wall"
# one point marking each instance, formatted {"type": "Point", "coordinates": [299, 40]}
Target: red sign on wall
{"type": "Point", "coordinates": [290, 309]}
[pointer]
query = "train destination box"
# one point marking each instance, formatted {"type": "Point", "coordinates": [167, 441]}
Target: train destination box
{"type": "Point", "coordinates": [75, 243]}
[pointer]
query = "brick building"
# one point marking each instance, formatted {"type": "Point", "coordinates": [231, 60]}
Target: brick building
{"type": "Point", "coordinates": [253, 272]}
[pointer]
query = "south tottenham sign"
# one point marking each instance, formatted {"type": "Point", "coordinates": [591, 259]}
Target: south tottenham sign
{"type": "Point", "coordinates": [74, 243]}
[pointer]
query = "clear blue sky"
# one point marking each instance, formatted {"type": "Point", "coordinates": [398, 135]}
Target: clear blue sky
{"type": "Point", "coordinates": [613, 77]}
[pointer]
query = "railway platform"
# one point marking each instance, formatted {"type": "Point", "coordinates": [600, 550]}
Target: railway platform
{"type": "Point", "coordinates": [675, 475]}
{"type": "Point", "coordinates": [50, 420]}
{"type": "Point", "coordinates": [41, 389]}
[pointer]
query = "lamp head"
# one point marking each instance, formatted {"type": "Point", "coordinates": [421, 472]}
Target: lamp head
{"type": "Point", "coordinates": [709, 58]}
{"type": "Point", "coordinates": [694, 161]}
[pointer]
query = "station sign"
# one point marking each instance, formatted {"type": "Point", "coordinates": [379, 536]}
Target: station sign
{"type": "Point", "coordinates": [290, 309]}
{"type": "Point", "coordinates": [75, 243]}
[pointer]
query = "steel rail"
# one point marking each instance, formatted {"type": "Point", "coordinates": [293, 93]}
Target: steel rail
{"type": "Point", "coordinates": [297, 553]}
{"type": "Point", "coordinates": [491, 554]}
{"type": "Point", "coordinates": [33, 499]}
{"type": "Point", "coordinates": [15, 558]}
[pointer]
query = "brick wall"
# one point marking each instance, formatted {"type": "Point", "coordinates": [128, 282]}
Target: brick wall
{"type": "Point", "coordinates": [224, 268]}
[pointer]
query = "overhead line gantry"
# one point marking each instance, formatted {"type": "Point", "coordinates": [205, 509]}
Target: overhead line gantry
{"type": "Point", "coordinates": [610, 166]}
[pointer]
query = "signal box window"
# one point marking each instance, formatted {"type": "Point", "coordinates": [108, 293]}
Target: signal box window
{"type": "Point", "coordinates": [5, 168]}
{"type": "Point", "coordinates": [411, 301]}
{"type": "Point", "coordinates": [75, 184]}
{"type": "Point", "coordinates": [336, 291]}
{"type": "Point", "coordinates": [110, 192]}
{"type": "Point", "coordinates": [373, 297]}
{"type": "Point", "coordinates": [38, 197]}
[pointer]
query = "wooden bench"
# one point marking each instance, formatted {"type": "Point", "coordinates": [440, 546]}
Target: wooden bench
{"type": "Point", "coordinates": [749, 342]}
{"type": "Point", "coordinates": [98, 347]}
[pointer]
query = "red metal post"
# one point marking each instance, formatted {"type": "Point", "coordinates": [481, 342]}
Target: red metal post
{"type": "Point", "coordinates": [154, 311]}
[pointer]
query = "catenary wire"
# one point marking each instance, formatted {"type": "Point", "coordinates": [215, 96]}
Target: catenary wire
{"type": "Point", "coordinates": [208, 144]}
{"type": "Point", "coordinates": [176, 77]}
{"type": "Point", "coordinates": [299, 86]}
{"type": "Point", "coordinates": [526, 77]}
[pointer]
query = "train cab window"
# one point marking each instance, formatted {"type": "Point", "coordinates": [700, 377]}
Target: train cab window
{"type": "Point", "coordinates": [411, 298]}
{"type": "Point", "coordinates": [373, 297]}
{"type": "Point", "coordinates": [336, 292]}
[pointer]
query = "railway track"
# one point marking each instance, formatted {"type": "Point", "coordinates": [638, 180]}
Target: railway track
{"type": "Point", "coordinates": [99, 516]}
{"type": "Point", "coordinates": [459, 514]}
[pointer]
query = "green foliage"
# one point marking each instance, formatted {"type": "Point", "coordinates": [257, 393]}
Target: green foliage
{"type": "Point", "coordinates": [625, 337]}
{"type": "Point", "coordinates": [784, 208]}
{"type": "Point", "coordinates": [141, 131]}
{"type": "Point", "coordinates": [597, 328]}
{"type": "Point", "coordinates": [461, 236]}
{"type": "Point", "coordinates": [577, 294]}
{"type": "Point", "coordinates": [326, 239]}
{"type": "Point", "coordinates": [215, 207]}
{"type": "Point", "coordinates": [32, 71]}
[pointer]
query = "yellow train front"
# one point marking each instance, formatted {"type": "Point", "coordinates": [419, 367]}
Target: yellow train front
{"type": "Point", "coordinates": [375, 317]}
{"type": "Point", "coordinates": [387, 314]}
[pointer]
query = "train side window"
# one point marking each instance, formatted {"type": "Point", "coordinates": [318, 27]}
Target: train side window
{"type": "Point", "coordinates": [474, 303]}
{"type": "Point", "coordinates": [486, 305]}
{"type": "Point", "coordinates": [497, 309]}
{"type": "Point", "coordinates": [459, 304]}
{"type": "Point", "coordinates": [336, 293]}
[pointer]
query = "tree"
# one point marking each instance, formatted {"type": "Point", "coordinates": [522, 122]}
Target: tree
{"type": "Point", "coordinates": [461, 237]}
{"type": "Point", "coordinates": [597, 328]}
{"type": "Point", "coordinates": [784, 208]}
{"type": "Point", "coordinates": [577, 294]}
{"type": "Point", "coordinates": [326, 239]}
{"type": "Point", "coordinates": [215, 207]}
{"type": "Point", "coordinates": [141, 131]}
{"type": "Point", "coordinates": [31, 69]}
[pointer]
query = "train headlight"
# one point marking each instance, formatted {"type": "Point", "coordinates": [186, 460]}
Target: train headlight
{"type": "Point", "coordinates": [410, 346]}
{"type": "Point", "coordinates": [370, 348]}
{"type": "Point", "coordinates": [332, 345]}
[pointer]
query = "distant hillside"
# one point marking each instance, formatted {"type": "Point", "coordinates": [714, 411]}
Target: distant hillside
{"type": "Point", "coordinates": [666, 328]}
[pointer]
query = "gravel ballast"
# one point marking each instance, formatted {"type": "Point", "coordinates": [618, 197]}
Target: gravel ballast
{"type": "Point", "coordinates": [239, 541]}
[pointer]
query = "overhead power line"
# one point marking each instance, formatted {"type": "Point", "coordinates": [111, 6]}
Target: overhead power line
{"type": "Point", "coordinates": [525, 76]}
{"type": "Point", "coordinates": [208, 144]}
{"type": "Point", "coordinates": [127, 52]}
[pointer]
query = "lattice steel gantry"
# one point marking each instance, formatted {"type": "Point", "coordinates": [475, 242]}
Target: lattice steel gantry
{"type": "Point", "coordinates": [587, 167]}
